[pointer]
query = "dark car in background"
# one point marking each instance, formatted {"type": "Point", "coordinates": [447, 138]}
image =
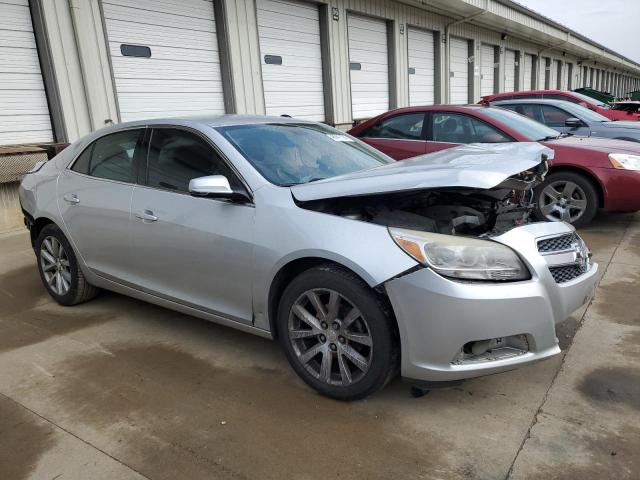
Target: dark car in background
{"type": "Point", "coordinates": [575, 97]}
{"type": "Point", "coordinates": [568, 117]}
{"type": "Point", "coordinates": [586, 174]}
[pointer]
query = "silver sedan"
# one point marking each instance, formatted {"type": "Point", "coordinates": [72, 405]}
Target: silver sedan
{"type": "Point", "coordinates": [360, 266]}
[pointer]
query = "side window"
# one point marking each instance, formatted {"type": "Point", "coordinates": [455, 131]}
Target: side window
{"type": "Point", "coordinates": [554, 117]}
{"type": "Point", "coordinates": [110, 157]}
{"type": "Point", "coordinates": [460, 128]}
{"type": "Point", "coordinates": [528, 110]}
{"type": "Point", "coordinates": [177, 156]}
{"type": "Point", "coordinates": [407, 126]}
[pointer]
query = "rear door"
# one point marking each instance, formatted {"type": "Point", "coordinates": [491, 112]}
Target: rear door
{"type": "Point", "coordinates": [448, 129]}
{"type": "Point", "coordinates": [400, 136]}
{"type": "Point", "coordinates": [94, 197]}
{"type": "Point", "coordinates": [192, 250]}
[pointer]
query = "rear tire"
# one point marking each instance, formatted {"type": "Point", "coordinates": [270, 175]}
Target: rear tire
{"type": "Point", "coordinates": [59, 269]}
{"type": "Point", "coordinates": [566, 196]}
{"type": "Point", "coordinates": [337, 333]}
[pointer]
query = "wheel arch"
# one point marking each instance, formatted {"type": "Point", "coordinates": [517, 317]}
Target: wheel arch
{"type": "Point", "coordinates": [295, 267]}
{"type": "Point", "coordinates": [37, 226]}
{"type": "Point", "coordinates": [587, 174]}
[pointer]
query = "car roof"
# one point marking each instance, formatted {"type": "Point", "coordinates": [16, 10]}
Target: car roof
{"type": "Point", "coordinates": [546, 101]}
{"type": "Point", "coordinates": [212, 121]}
{"type": "Point", "coordinates": [435, 108]}
{"type": "Point", "coordinates": [531, 92]}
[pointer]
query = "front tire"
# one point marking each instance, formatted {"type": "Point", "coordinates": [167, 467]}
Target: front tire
{"type": "Point", "coordinates": [59, 269]}
{"type": "Point", "coordinates": [568, 197]}
{"type": "Point", "coordinates": [337, 333]}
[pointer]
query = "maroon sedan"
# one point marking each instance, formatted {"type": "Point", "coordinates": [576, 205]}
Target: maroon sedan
{"type": "Point", "coordinates": [575, 97]}
{"type": "Point", "coordinates": [586, 173]}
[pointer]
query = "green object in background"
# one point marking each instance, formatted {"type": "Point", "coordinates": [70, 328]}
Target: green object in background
{"type": "Point", "coordinates": [635, 95]}
{"type": "Point", "coordinates": [598, 95]}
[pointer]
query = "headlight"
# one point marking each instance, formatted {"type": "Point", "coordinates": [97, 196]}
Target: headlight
{"type": "Point", "coordinates": [460, 257]}
{"type": "Point", "coordinates": [624, 161]}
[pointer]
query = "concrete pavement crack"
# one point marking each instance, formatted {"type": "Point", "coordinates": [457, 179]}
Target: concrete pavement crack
{"type": "Point", "coordinates": [89, 444]}
{"type": "Point", "coordinates": [534, 420]}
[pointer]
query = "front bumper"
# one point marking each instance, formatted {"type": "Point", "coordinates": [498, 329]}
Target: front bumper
{"type": "Point", "coordinates": [621, 187]}
{"type": "Point", "coordinates": [437, 316]}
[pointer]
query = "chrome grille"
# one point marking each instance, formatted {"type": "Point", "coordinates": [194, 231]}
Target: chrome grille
{"type": "Point", "coordinates": [554, 244]}
{"type": "Point", "coordinates": [566, 255]}
{"type": "Point", "coordinates": [566, 272]}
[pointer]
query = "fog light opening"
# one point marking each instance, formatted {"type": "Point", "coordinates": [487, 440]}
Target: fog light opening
{"type": "Point", "coordinates": [492, 349]}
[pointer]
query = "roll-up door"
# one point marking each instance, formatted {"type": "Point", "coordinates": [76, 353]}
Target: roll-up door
{"type": "Point", "coordinates": [545, 70]}
{"type": "Point", "coordinates": [369, 66]}
{"type": "Point", "coordinates": [487, 76]}
{"type": "Point", "coordinates": [459, 73]}
{"type": "Point", "coordinates": [528, 72]}
{"type": "Point", "coordinates": [24, 113]}
{"type": "Point", "coordinates": [291, 58]}
{"type": "Point", "coordinates": [558, 82]}
{"type": "Point", "coordinates": [420, 45]}
{"type": "Point", "coordinates": [565, 76]}
{"type": "Point", "coordinates": [553, 75]}
{"type": "Point", "coordinates": [509, 71]}
{"type": "Point", "coordinates": [164, 57]}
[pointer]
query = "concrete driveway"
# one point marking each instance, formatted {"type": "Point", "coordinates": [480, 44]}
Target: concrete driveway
{"type": "Point", "coordinates": [119, 389]}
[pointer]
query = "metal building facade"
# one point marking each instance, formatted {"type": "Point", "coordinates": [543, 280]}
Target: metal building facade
{"type": "Point", "coordinates": [338, 61]}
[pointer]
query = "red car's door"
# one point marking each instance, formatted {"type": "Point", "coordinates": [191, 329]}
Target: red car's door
{"type": "Point", "coordinates": [400, 136]}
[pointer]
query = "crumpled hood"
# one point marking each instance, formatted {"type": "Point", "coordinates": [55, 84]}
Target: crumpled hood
{"type": "Point", "coordinates": [604, 145]}
{"type": "Point", "coordinates": [480, 166]}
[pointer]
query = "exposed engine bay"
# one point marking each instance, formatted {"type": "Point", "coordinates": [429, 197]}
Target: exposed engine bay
{"type": "Point", "coordinates": [453, 211]}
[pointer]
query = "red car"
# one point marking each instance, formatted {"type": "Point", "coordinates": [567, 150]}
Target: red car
{"type": "Point", "coordinates": [586, 173]}
{"type": "Point", "coordinates": [584, 100]}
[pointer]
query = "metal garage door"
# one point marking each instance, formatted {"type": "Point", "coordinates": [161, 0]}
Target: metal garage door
{"type": "Point", "coordinates": [509, 71]}
{"type": "Point", "coordinates": [182, 74]}
{"type": "Point", "coordinates": [542, 75]}
{"type": "Point", "coordinates": [291, 58]}
{"type": "Point", "coordinates": [24, 114]}
{"type": "Point", "coordinates": [459, 74]}
{"type": "Point", "coordinates": [369, 66]}
{"type": "Point", "coordinates": [528, 72]}
{"type": "Point", "coordinates": [558, 69]}
{"type": "Point", "coordinates": [565, 76]}
{"type": "Point", "coordinates": [421, 67]}
{"type": "Point", "coordinates": [487, 66]}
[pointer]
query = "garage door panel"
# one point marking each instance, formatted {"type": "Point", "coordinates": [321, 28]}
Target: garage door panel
{"type": "Point", "coordinates": [528, 71]}
{"type": "Point", "coordinates": [24, 113]}
{"type": "Point", "coordinates": [487, 61]}
{"type": "Point", "coordinates": [459, 68]}
{"type": "Point", "coordinates": [291, 30]}
{"type": "Point", "coordinates": [121, 32]}
{"type": "Point", "coordinates": [420, 49]}
{"type": "Point", "coordinates": [183, 74]}
{"type": "Point", "coordinates": [509, 71]}
{"type": "Point", "coordinates": [147, 14]}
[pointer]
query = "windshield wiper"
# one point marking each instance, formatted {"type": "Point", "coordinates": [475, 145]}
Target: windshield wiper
{"type": "Point", "coordinates": [548, 137]}
{"type": "Point", "coordinates": [565, 134]}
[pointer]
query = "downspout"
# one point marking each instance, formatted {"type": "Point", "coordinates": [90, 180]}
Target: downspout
{"type": "Point", "coordinates": [447, 29]}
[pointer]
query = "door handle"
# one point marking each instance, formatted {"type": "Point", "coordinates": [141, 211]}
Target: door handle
{"type": "Point", "coordinates": [147, 216]}
{"type": "Point", "coordinates": [71, 198]}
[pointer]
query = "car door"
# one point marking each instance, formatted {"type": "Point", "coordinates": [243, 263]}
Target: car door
{"type": "Point", "coordinates": [400, 136]}
{"type": "Point", "coordinates": [449, 129]}
{"type": "Point", "coordinates": [192, 250]}
{"type": "Point", "coordinates": [94, 197]}
{"type": "Point", "coordinates": [554, 117]}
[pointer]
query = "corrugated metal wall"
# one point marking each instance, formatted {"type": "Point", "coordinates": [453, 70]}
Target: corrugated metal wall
{"type": "Point", "coordinates": [83, 72]}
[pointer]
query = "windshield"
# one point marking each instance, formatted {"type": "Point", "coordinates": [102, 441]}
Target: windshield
{"type": "Point", "coordinates": [289, 154]}
{"type": "Point", "coordinates": [583, 112]}
{"type": "Point", "coordinates": [531, 129]}
{"type": "Point", "coordinates": [591, 100]}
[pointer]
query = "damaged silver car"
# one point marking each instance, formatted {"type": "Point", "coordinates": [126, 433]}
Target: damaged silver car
{"type": "Point", "coordinates": [361, 267]}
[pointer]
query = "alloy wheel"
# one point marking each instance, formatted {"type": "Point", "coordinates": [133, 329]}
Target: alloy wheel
{"type": "Point", "coordinates": [330, 337]}
{"type": "Point", "coordinates": [55, 266]}
{"type": "Point", "coordinates": [563, 200]}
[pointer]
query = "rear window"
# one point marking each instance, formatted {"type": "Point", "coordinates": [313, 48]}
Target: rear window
{"type": "Point", "coordinates": [531, 129]}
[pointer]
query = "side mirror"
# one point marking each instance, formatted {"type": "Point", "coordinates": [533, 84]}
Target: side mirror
{"type": "Point", "coordinates": [211, 186]}
{"type": "Point", "coordinates": [217, 186]}
{"type": "Point", "coordinates": [573, 122]}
